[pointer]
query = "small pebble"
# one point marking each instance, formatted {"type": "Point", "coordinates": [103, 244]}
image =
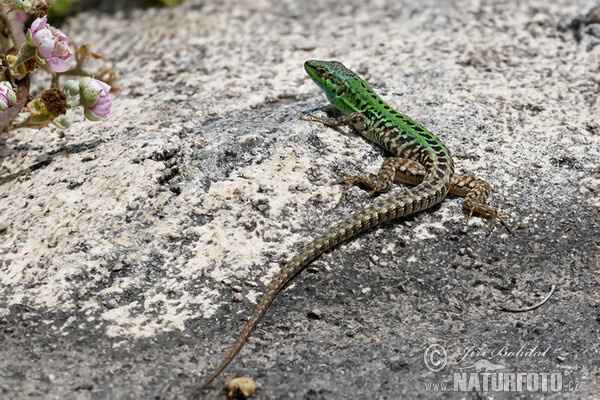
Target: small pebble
{"type": "Point", "coordinates": [112, 303]}
{"type": "Point", "coordinates": [238, 298]}
{"type": "Point", "coordinates": [242, 387]}
{"type": "Point", "coordinates": [315, 314]}
{"type": "Point", "coordinates": [237, 288]}
{"type": "Point", "coordinates": [471, 253]}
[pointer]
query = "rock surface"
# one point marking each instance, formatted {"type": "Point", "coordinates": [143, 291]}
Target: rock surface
{"type": "Point", "coordinates": [133, 250]}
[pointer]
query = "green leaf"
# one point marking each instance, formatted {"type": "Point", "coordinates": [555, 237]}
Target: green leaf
{"type": "Point", "coordinates": [60, 7]}
{"type": "Point", "coordinates": [170, 3]}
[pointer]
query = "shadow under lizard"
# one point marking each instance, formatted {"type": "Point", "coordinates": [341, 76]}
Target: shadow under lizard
{"type": "Point", "coordinates": [419, 159]}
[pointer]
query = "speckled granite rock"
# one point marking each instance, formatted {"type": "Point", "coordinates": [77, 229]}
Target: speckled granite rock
{"type": "Point", "coordinates": [132, 250]}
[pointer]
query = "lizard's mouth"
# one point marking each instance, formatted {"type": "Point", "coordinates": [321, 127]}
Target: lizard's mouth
{"type": "Point", "coordinates": [310, 66]}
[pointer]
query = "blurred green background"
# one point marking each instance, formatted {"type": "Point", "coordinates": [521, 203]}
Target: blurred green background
{"type": "Point", "coordinates": [63, 8]}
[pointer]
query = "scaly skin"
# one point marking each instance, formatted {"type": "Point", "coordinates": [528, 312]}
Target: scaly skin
{"type": "Point", "coordinates": [421, 159]}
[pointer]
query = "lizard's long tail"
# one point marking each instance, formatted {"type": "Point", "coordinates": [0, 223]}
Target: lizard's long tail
{"type": "Point", "coordinates": [417, 199]}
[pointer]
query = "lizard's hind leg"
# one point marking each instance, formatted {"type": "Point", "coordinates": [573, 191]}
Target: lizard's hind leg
{"type": "Point", "coordinates": [476, 191]}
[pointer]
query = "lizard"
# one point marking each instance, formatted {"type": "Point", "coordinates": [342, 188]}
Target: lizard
{"type": "Point", "coordinates": [420, 159]}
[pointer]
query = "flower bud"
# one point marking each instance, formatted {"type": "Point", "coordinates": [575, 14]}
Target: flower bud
{"type": "Point", "coordinates": [90, 96]}
{"type": "Point", "coordinates": [95, 98]}
{"type": "Point", "coordinates": [71, 87]}
{"type": "Point", "coordinates": [8, 96]}
{"type": "Point", "coordinates": [83, 82]}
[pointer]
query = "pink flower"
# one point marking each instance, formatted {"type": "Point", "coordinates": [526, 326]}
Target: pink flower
{"type": "Point", "coordinates": [7, 96]}
{"type": "Point", "coordinates": [4, 94]}
{"type": "Point", "coordinates": [52, 44]}
{"type": "Point", "coordinates": [101, 107]}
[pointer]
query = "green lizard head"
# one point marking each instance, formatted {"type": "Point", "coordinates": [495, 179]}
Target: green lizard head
{"type": "Point", "coordinates": [334, 79]}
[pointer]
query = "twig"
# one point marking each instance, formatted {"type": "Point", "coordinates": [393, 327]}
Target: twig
{"type": "Point", "coordinates": [81, 55]}
{"type": "Point", "coordinates": [17, 33]}
{"type": "Point", "coordinates": [541, 303]}
{"type": "Point", "coordinates": [15, 27]}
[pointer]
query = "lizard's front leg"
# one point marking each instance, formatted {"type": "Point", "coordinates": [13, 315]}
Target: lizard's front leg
{"type": "Point", "coordinates": [358, 121]}
{"type": "Point", "coordinates": [354, 119]}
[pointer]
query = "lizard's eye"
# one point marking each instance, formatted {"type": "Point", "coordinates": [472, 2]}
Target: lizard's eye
{"type": "Point", "coordinates": [322, 71]}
